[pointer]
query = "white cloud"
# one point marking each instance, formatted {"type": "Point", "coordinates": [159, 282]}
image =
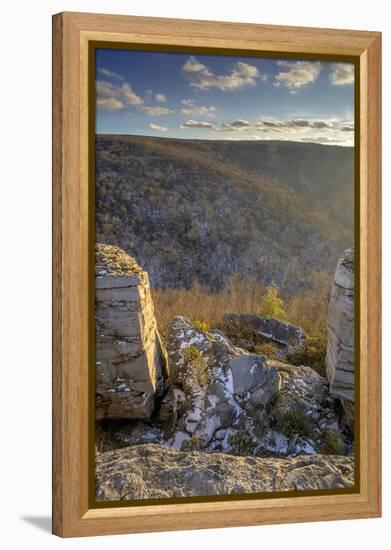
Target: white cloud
{"type": "Point", "coordinates": [160, 98]}
{"type": "Point", "coordinates": [157, 127]}
{"type": "Point", "coordinates": [238, 125]}
{"type": "Point", "coordinates": [342, 74]}
{"type": "Point", "coordinates": [297, 75]}
{"type": "Point", "coordinates": [247, 70]}
{"type": "Point", "coordinates": [279, 127]}
{"type": "Point", "coordinates": [201, 77]}
{"type": "Point", "coordinates": [105, 89]}
{"type": "Point", "coordinates": [327, 131]}
{"type": "Point", "coordinates": [110, 74]}
{"type": "Point", "coordinates": [193, 66]}
{"type": "Point", "coordinates": [320, 124]}
{"type": "Point", "coordinates": [112, 97]}
{"type": "Point", "coordinates": [270, 124]}
{"type": "Point", "coordinates": [155, 111]}
{"type": "Point", "coordinates": [129, 96]}
{"type": "Point", "coordinates": [192, 109]}
{"type": "Point", "coordinates": [293, 125]}
{"type": "Point", "coordinates": [197, 124]}
{"type": "Point", "coordinates": [109, 104]}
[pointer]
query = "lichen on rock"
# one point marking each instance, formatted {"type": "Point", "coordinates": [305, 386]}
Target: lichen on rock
{"type": "Point", "coordinates": [235, 394]}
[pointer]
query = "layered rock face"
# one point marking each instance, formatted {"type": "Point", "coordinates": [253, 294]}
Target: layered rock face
{"type": "Point", "coordinates": [130, 359]}
{"type": "Point", "coordinates": [152, 471]}
{"type": "Point", "coordinates": [340, 325]}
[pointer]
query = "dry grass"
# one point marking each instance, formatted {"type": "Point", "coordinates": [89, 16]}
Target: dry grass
{"type": "Point", "coordinates": [307, 309]}
{"type": "Point", "coordinates": [202, 306]}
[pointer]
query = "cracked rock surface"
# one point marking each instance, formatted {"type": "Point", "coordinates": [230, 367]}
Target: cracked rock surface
{"type": "Point", "coordinates": [151, 471]}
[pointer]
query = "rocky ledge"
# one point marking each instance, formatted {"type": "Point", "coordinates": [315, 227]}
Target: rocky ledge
{"type": "Point", "coordinates": [208, 412]}
{"type": "Point", "coordinates": [152, 471]}
{"type": "Point", "coordinates": [340, 359]}
{"type": "Point", "coordinates": [222, 399]}
{"type": "Point", "coordinates": [130, 358]}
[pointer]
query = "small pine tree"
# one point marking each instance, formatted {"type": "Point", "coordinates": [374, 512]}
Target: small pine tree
{"type": "Point", "coordinates": [272, 305]}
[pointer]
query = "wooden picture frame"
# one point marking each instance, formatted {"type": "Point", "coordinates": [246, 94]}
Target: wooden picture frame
{"type": "Point", "coordinates": [72, 226]}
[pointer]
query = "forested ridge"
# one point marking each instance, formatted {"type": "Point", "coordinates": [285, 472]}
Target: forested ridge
{"type": "Point", "coordinates": [199, 212]}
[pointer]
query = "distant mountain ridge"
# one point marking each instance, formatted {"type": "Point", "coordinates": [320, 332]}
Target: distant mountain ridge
{"type": "Point", "coordinates": [323, 172]}
{"type": "Point", "coordinates": [199, 210]}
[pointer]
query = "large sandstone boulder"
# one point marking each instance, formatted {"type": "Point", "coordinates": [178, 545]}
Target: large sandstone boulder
{"type": "Point", "coordinates": [340, 326]}
{"type": "Point", "coordinates": [153, 471]}
{"type": "Point", "coordinates": [218, 391]}
{"type": "Point", "coordinates": [248, 329]}
{"type": "Point", "coordinates": [130, 359]}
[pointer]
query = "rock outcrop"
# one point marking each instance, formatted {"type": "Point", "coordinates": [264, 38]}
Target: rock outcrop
{"type": "Point", "coordinates": [152, 471]}
{"type": "Point", "coordinates": [130, 359]}
{"type": "Point", "coordinates": [218, 391]}
{"type": "Point", "coordinates": [249, 329]}
{"type": "Point", "coordinates": [340, 326]}
{"type": "Point", "coordinates": [209, 413]}
{"type": "Point", "coordinates": [223, 399]}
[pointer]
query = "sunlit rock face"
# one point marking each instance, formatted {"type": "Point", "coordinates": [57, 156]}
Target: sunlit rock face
{"type": "Point", "coordinates": [224, 399]}
{"type": "Point", "coordinates": [340, 363]}
{"type": "Point", "coordinates": [152, 471]}
{"type": "Point", "coordinates": [219, 393]}
{"type": "Point", "coordinates": [130, 359]}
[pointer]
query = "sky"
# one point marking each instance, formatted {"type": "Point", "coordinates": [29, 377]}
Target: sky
{"type": "Point", "coordinates": [195, 96]}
